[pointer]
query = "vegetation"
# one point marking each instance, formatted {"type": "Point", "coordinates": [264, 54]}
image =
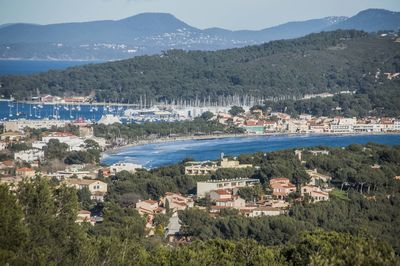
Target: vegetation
{"type": "Point", "coordinates": [324, 62]}
{"type": "Point", "coordinates": [134, 132]}
{"type": "Point", "coordinates": [38, 228]}
{"type": "Point", "coordinates": [359, 225]}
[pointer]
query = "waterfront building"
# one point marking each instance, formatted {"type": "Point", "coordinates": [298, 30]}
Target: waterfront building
{"type": "Point", "coordinates": [204, 188]}
{"type": "Point", "coordinates": [109, 120]}
{"type": "Point", "coordinates": [20, 124]}
{"type": "Point", "coordinates": [200, 168]}
{"type": "Point", "coordinates": [119, 167]}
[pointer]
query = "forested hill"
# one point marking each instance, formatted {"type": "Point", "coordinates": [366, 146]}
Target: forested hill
{"type": "Point", "coordinates": [323, 62]}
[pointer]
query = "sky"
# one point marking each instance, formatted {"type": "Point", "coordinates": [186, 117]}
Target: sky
{"type": "Point", "coordinates": [228, 14]}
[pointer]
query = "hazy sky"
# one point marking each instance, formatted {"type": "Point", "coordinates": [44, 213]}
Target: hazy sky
{"type": "Point", "coordinates": [230, 14]}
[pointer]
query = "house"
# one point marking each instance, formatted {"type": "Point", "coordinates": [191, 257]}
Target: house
{"type": "Point", "coordinates": [319, 196]}
{"type": "Point", "coordinates": [29, 156]}
{"type": "Point", "coordinates": [149, 207]}
{"type": "Point", "coordinates": [205, 187]}
{"type": "Point", "coordinates": [97, 188]}
{"type": "Point", "coordinates": [265, 211]}
{"type": "Point", "coordinates": [3, 145]}
{"type": "Point", "coordinates": [315, 193]}
{"type": "Point", "coordinates": [85, 217]}
{"type": "Point", "coordinates": [200, 168]}
{"type": "Point", "coordinates": [119, 167]}
{"type": "Point", "coordinates": [234, 202]}
{"type": "Point", "coordinates": [12, 136]}
{"type": "Point", "coordinates": [74, 143]}
{"type": "Point", "coordinates": [176, 202]}
{"type": "Point", "coordinates": [25, 172]}
{"type": "Point", "coordinates": [279, 204]}
{"type": "Point", "coordinates": [226, 163]}
{"type": "Point", "coordinates": [317, 179]}
{"type": "Point", "coordinates": [281, 187]}
{"type": "Point", "coordinates": [220, 194]}
{"type": "Point", "coordinates": [7, 167]}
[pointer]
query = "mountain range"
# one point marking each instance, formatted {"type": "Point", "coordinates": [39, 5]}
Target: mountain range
{"type": "Point", "coordinates": [151, 33]}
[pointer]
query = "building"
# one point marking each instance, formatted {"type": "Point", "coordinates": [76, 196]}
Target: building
{"type": "Point", "coordinates": [149, 207]}
{"type": "Point", "coordinates": [85, 217]}
{"type": "Point", "coordinates": [204, 188]}
{"type": "Point", "coordinates": [200, 168]}
{"type": "Point", "coordinates": [235, 202]}
{"type": "Point", "coordinates": [25, 172]}
{"type": "Point", "coordinates": [226, 163]}
{"type": "Point", "coordinates": [281, 187]}
{"type": "Point", "coordinates": [3, 145]}
{"type": "Point", "coordinates": [176, 202]}
{"type": "Point", "coordinates": [29, 155]}
{"type": "Point", "coordinates": [317, 179]}
{"type": "Point", "coordinates": [265, 211]}
{"type": "Point", "coordinates": [74, 143]}
{"type": "Point", "coordinates": [220, 194]}
{"type": "Point", "coordinates": [315, 193]}
{"type": "Point", "coordinates": [97, 188]}
{"type": "Point", "coordinates": [119, 167]}
{"type": "Point", "coordinates": [12, 136]}
{"type": "Point", "coordinates": [21, 124]}
{"type": "Point", "coordinates": [109, 120]}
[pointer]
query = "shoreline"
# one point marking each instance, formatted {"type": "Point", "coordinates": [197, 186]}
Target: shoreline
{"type": "Point", "coordinates": [117, 149]}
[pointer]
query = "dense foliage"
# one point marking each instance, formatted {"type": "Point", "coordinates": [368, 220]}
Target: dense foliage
{"type": "Point", "coordinates": [134, 132]}
{"type": "Point", "coordinates": [323, 62]}
{"type": "Point", "coordinates": [38, 228]}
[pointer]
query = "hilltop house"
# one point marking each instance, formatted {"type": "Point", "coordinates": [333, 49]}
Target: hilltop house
{"type": "Point", "coordinates": [281, 187]}
{"type": "Point", "coordinates": [205, 187]}
{"type": "Point", "coordinates": [176, 202]}
{"type": "Point", "coordinates": [97, 188]}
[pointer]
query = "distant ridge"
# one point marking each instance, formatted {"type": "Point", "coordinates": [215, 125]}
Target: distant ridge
{"type": "Point", "coordinates": [151, 33]}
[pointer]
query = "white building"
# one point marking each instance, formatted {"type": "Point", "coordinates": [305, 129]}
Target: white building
{"type": "Point", "coordinates": [265, 211]}
{"type": "Point", "coordinates": [74, 143]}
{"type": "Point", "coordinates": [29, 155]}
{"type": "Point", "coordinates": [119, 167]}
{"type": "Point", "coordinates": [109, 120]}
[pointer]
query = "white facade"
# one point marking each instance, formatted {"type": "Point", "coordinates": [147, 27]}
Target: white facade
{"type": "Point", "coordinates": [29, 155]}
{"type": "Point", "coordinates": [118, 167]}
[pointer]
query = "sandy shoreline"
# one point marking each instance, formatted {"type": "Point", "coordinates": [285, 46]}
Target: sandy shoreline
{"type": "Point", "coordinates": [222, 136]}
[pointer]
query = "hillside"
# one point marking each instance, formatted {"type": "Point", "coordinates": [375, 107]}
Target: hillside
{"type": "Point", "coordinates": [151, 33]}
{"type": "Point", "coordinates": [371, 20]}
{"type": "Point", "coordinates": [324, 62]}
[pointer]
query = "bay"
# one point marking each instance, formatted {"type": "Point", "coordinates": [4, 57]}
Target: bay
{"type": "Point", "coordinates": [160, 154]}
{"type": "Point", "coordinates": [27, 67]}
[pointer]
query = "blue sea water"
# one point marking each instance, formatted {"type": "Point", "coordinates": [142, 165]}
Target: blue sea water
{"type": "Point", "coordinates": [155, 155]}
{"type": "Point", "coordinates": [27, 67]}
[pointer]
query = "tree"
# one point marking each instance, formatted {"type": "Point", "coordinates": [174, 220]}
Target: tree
{"type": "Point", "coordinates": [236, 110]}
{"type": "Point", "coordinates": [333, 248]}
{"type": "Point", "coordinates": [55, 150]}
{"type": "Point", "coordinates": [13, 232]}
{"type": "Point", "coordinates": [207, 115]}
